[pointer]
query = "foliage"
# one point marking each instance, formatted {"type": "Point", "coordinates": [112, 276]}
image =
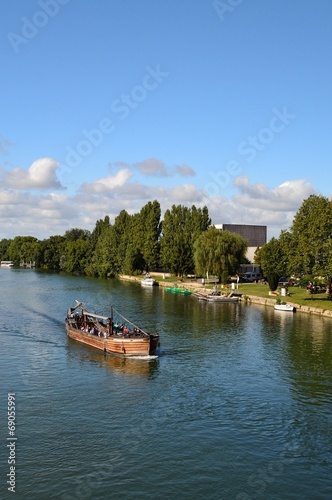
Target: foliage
{"type": "Point", "coordinates": [51, 252]}
{"type": "Point", "coordinates": [311, 237]}
{"type": "Point", "coordinates": [180, 229]}
{"type": "Point", "coordinates": [77, 234]}
{"type": "Point", "coordinates": [23, 249]}
{"type": "Point", "coordinates": [273, 262]}
{"type": "Point", "coordinates": [146, 229]}
{"type": "Point", "coordinates": [219, 252]}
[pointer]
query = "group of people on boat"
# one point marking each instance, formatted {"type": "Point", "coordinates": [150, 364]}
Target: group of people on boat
{"type": "Point", "coordinates": [122, 329]}
{"type": "Point", "coordinates": [82, 323]}
{"type": "Point", "coordinates": [94, 331]}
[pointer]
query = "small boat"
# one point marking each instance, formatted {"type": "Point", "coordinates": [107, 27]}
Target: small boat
{"type": "Point", "coordinates": [213, 297]}
{"type": "Point", "coordinates": [148, 281]}
{"type": "Point", "coordinates": [7, 263]}
{"type": "Point", "coordinates": [180, 289]}
{"type": "Point", "coordinates": [284, 307]}
{"type": "Point", "coordinates": [113, 334]}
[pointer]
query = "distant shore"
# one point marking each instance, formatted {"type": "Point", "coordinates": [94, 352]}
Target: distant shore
{"type": "Point", "coordinates": [252, 299]}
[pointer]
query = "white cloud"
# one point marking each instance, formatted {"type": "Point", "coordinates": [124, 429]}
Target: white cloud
{"type": "Point", "coordinates": [107, 184]}
{"type": "Point", "coordinates": [186, 193]}
{"type": "Point", "coordinates": [260, 205]}
{"type": "Point", "coordinates": [40, 175]}
{"type": "Point", "coordinates": [288, 196]}
{"type": "Point", "coordinates": [40, 215]}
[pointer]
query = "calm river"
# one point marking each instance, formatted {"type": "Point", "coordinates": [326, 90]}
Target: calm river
{"type": "Point", "coordinates": [237, 405]}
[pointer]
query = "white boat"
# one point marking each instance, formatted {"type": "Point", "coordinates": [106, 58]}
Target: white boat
{"type": "Point", "coordinates": [210, 297]}
{"type": "Point", "coordinates": [284, 307]}
{"type": "Point", "coordinates": [148, 281]}
{"type": "Point", "coordinates": [7, 263]}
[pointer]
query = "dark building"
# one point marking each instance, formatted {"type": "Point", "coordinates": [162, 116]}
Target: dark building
{"type": "Point", "coordinates": [255, 235]}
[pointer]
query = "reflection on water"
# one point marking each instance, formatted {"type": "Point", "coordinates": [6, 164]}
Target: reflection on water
{"type": "Point", "coordinates": [236, 405]}
{"type": "Point", "coordinates": [138, 367]}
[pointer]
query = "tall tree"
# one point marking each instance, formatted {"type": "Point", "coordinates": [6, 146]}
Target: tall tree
{"type": "Point", "coordinates": [50, 253]}
{"type": "Point", "coordinates": [4, 246]}
{"type": "Point", "coordinates": [77, 234]}
{"type": "Point", "coordinates": [273, 262]}
{"type": "Point", "coordinates": [121, 236]}
{"type": "Point", "coordinates": [219, 252]}
{"type": "Point", "coordinates": [146, 228]}
{"type": "Point", "coordinates": [23, 249]}
{"type": "Point", "coordinates": [311, 237]}
{"type": "Point", "coordinates": [180, 229]}
{"type": "Point", "coordinates": [99, 234]}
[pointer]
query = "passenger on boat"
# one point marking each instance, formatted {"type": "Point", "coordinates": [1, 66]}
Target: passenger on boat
{"type": "Point", "coordinates": [125, 330]}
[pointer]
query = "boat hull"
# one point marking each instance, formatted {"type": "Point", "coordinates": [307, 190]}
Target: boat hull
{"type": "Point", "coordinates": [131, 346]}
{"type": "Point", "coordinates": [222, 299]}
{"type": "Point", "coordinates": [148, 282]}
{"type": "Point", "coordinates": [286, 308]}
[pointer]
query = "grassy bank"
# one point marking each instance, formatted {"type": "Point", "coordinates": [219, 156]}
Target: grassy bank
{"type": "Point", "coordinates": [296, 295]}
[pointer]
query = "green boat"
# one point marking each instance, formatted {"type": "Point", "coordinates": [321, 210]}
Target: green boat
{"type": "Point", "coordinates": [182, 290]}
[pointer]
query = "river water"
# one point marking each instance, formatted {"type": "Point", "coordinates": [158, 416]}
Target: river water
{"type": "Point", "coordinates": [237, 404]}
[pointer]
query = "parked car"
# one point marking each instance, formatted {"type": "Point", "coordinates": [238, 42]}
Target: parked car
{"type": "Point", "coordinates": [284, 282]}
{"type": "Point", "coordinates": [252, 277]}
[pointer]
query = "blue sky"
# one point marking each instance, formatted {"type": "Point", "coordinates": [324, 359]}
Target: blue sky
{"type": "Point", "coordinates": [109, 104]}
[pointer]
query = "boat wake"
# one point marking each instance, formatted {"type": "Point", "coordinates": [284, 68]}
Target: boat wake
{"type": "Point", "coordinates": [144, 358]}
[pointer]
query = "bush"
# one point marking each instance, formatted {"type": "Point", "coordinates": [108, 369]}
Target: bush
{"type": "Point", "coordinates": [273, 280]}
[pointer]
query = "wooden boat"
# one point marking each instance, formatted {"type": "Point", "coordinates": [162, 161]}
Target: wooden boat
{"type": "Point", "coordinates": [113, 334]}
{"type": "Point", "coordinates": [212, 297]}
{"type": "Point", "coordinates": [284, 307]}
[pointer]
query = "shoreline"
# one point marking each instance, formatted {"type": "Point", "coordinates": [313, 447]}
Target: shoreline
{"type": "Point", "coordinates": [253, 299]}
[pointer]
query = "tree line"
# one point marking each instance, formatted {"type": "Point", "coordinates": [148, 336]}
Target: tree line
{"type": "Point", "coordinates": [305, 250]}
{"type": "Point", "coordinates": [182, 243]}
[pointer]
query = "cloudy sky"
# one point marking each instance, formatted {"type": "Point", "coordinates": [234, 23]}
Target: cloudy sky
{"type": "Point", "coordinates": [109, 104]}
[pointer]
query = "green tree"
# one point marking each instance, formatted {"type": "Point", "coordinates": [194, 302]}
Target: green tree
{"type": "Point", "coordinates": [104, 261]}
{"type": "Point", "coordinates": [23, 249]}
{"type": "Point", "coordinates": [181, 227]}
{"type": "Point", "coordinates": [311, 235]}
{"type": "Point", "coordinates": [99, 237]}
{"type": "Point", "coordinates": [273, 262]}
{"type": "Point", "coordinates": [50, 252]}
{"type": "Point", "coordinates": [121, 236]}
{"type": "Point", "coordinates": [146, 229]}
{"type": "Point", "coordinates": [4, 246]}
{"type": "Point", "coordinates": [75, 256]}
{"type": "Point", "coordinates": [77, 234]}
{"type": "Point", "coordinates": [219, 252]}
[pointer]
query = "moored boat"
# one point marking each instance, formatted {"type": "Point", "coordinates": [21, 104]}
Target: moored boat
{"type": "Point", "coordinates": [211, 297]}
{"type": "Point", "coordinates": [180, 289]}
{"type": "Point", "coordinates": [113, 334]}
{"type": "Point", "coordinates": [7, 263]}
{"type": "Point", "coordinates": [148, 281]}
{"type": "Point", "coordinates": [284, 307]}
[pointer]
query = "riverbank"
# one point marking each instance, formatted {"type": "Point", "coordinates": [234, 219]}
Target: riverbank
{"type": "Point", "coordinates": [299, 307]}
{"type": "Point", "coordinates": [244, 295]}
